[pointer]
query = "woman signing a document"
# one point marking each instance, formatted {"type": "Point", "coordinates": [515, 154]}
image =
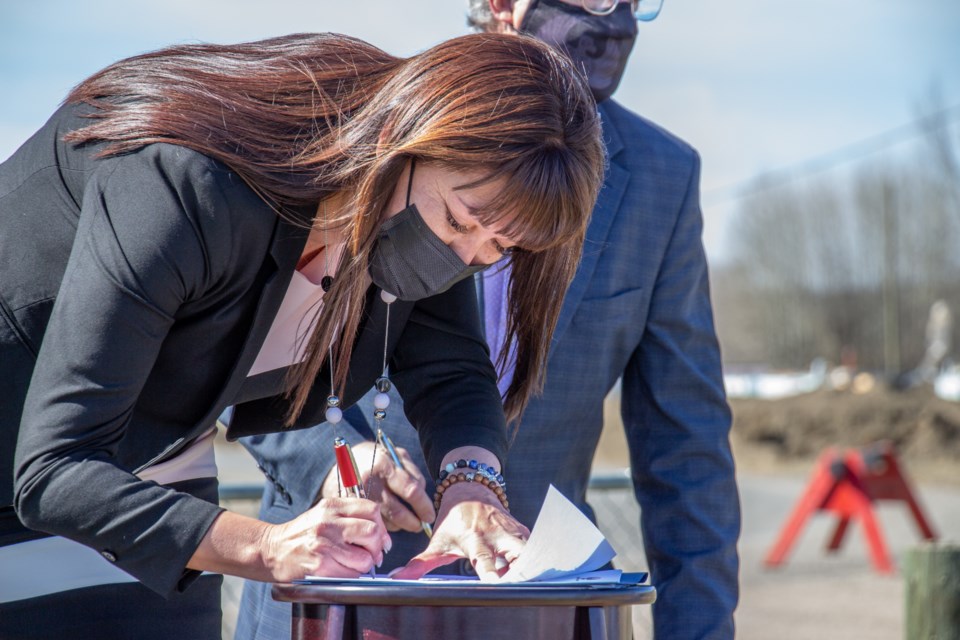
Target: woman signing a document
{"type": "Point", "coordinates": [275, 226]}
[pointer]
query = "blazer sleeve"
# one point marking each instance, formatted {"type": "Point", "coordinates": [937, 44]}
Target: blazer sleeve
{"type": "Point", "coordinates": [140, 252]}
{"type": "Point", "coordinates": [677, 421]}
{"type": "Point", "coordinates": [442, 369]}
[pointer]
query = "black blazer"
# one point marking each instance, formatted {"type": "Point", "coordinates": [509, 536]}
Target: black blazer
{"type": "Point", "coordinates": [140, 339]}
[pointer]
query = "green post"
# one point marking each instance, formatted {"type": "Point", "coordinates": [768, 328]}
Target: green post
{"type": "Point", "coordinates": [932, 576]}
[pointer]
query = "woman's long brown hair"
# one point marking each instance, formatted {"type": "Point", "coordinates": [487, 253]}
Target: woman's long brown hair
{"type": "Point", "coordinates": [304, 116]}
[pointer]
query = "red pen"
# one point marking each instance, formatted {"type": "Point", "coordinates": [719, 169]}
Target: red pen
{"type": "Point", "coordinates": [347, 466]}
{"type": "Point", "coordinates": [349, 474]}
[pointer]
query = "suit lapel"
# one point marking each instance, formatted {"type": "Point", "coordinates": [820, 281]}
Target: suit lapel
{"type": "Point", "coordinates": [608, 203]}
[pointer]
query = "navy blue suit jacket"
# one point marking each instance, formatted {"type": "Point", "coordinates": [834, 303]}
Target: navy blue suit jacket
{"type": "Point", "coordinates": [638, 310]}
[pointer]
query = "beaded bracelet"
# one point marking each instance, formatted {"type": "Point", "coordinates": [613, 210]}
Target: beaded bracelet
{"type": "Point", "coordinates": [471, 476]}
{"type": "Point", "coordinates": [472, 465]}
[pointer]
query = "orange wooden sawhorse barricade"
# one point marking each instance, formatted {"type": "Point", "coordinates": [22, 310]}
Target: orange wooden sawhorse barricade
{"type": "Point", "coordinates": [848, 484]}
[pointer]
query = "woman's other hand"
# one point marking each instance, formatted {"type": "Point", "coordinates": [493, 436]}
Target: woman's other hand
{"type": "Point", "coordinates": [401, 493]}
{"type": "Point", "coordinates": [338, 537]}
{"type": "Point", "coordinates": [472, 524]}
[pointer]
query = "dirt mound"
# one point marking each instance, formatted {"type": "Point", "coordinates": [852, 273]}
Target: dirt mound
{"type": "Point", "coordinates": [786, 436]}
{"type": "Point", "coordinates": [923, 428]}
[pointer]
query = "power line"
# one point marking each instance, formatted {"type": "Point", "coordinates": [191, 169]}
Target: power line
{"type": "Point", "coordinates": [777, 177]}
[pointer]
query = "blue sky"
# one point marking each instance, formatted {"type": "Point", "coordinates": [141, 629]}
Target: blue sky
{"type": "Point", "coordinates": [755, 85]}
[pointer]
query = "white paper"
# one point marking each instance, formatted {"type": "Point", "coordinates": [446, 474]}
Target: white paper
{"type": "Point", "coordinates": [563, 542]}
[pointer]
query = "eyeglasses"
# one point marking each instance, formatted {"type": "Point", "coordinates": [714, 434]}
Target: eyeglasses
{"type": "Point", "coordinates": [643, 10]}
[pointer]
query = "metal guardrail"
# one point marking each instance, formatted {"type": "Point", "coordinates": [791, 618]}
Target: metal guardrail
{"type": "Point", "coordinates": [241, 491]}
{"type": "Point", "coordinates": [611, 480]}
{"type": "Point", "coordinates": [607, 481]}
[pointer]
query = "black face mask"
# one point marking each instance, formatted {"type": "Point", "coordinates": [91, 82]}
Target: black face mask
{"type": "Point", "coordinates": [410, 261]}
{"type": "Point", "coordinates": [599, 45]}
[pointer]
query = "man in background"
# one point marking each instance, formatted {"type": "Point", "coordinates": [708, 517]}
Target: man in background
{"type": "Point", "coordinates": [638, 310]}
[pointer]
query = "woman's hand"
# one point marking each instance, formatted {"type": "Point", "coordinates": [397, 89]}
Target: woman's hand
{"type": "Point", "coordinates": [338, 537]}
{"type": "Point", "coordinates": [400, 493]}
{"type": "Point", "coordinates": [471, 524]}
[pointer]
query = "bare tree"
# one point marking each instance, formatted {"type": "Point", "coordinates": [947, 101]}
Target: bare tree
{"type": "Point", "coordinates": [824, 265]}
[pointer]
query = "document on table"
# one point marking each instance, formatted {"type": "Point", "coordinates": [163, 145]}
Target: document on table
{"type": "Point", "coordinates": [563, 542]}
{"type": "Point", "coordinates": [564, 549]}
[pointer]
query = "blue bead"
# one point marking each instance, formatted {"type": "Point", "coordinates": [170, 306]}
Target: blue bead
{"type": "Point", "coordinates": [443, 474]}
{"type": "Point", "coordinates": [461, 463]}
{"type": "Point", "coordinates": [472, 464]}
{"type": "Point", "coordinates": [500, 479]}
{"type": "Point", "coordinates": [451, 467]}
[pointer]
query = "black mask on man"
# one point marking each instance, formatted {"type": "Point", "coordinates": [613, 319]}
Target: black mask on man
{"type": "Point", "coordinates": [599, 45]}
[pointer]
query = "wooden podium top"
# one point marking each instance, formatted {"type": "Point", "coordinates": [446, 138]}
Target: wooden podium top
{"type": "Point", "coordinates": [473, 594]}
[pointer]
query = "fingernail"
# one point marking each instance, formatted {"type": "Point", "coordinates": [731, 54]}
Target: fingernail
{"type": "Point", "coordinates": [379, 562]}
{"type": "Point", "coordinates": [394, 572]}
{"type": "Point", "coordinates": [388, 545]}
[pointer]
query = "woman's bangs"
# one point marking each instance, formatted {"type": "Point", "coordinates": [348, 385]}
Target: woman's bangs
{"type": "Point", "coordinates": [536, 209]}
